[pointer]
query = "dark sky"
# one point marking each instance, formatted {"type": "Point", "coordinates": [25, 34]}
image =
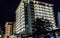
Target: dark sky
{"type": "Point", "coordinates": [7, 11]}
{"type": "Point", "coordinates": [8, 7]}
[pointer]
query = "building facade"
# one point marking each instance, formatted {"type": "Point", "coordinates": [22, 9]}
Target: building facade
{"type": "Point", "coordinates": [10, 28]}
{"type": "Point", "coordinates": [44, 10]}
{"type": "Point", "coordinates": [28, 11]}
{"type": "Point", "coordinates": [13, 28]}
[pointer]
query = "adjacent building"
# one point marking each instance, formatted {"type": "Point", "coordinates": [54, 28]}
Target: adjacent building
{"type": "Point", "coordinates": [13, 28]}
{"type": "Point", "coordinates": [28, 11]}
{"type": "Point", "coordinates": [10, 28]}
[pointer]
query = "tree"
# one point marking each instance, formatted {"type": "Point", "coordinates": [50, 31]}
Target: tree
{"type": "Point", "coordinates": [42, 26]}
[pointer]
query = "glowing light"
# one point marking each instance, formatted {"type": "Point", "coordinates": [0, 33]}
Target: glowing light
{"type": "Point", "coordinates": [46, 4]}
{"type": "Point", "coordinates": [26, 1]}
{"type": "Point", "coordinates": [34, 1]}
{"type": "Point", "coordinates": [52, 36]}
{"type": "Point", "coordinates": [37, 2]}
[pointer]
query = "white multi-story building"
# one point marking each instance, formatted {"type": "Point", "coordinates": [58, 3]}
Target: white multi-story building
{"type": "Point", "coordinates": [44, 10]}
{"type": "Point", "coordinates": [28, 11]}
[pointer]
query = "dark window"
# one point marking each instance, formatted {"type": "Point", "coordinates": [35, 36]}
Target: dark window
{"type": "Point", "coordinates": [32, 10]}
{"type": "Point", "coordinates": [31, 2]}
{"type": "Point", "coordinates": [26, 10]}
{"type": "Point", "coordinates": [26, 13]}
{"type": "Point", "coordinates": [26, 22]}
{"type": "Point", "coordinates": [32, 14]}
{"type": "Point", "coordinates": [31, 5]}
{"type": "Point", "coordinates": [26, 16]}
{"type": "Point", "coordinates": [33, 23]}
{"type": "Point", "coordinates": [26, 19]}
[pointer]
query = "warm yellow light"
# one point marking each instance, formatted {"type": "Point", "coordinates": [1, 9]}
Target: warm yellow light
{"type": "Point", "coordinates": [50, 4]}
{"type": "Point", "coordinates": [25, 1]}
{"type": "Point", "coordinates": [37, 2]}
{"type": "Point", "coordinates": [46, 4]}
{"type": "Point", "coordinates": [34, 1]}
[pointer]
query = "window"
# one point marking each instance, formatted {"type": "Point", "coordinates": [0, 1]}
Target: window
{"type": "Point", "coordinates": [26, 22]}
{"type": "Point", "coordinates": [26, 19]}
{"type": "Point", "coordinates": [31, 2]}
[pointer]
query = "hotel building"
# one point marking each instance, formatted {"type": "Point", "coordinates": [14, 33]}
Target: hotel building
{"type": "Point", "coordinates": [28, 11]}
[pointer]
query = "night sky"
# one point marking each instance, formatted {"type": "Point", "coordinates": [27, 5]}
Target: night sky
{"type": "Point", "coordinates": [7, 11]}
{"type": "Point", "coordinates": [8, 8]}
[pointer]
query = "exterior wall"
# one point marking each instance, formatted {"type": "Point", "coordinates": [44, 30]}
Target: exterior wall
{"type": "Point", "coordinates": [14, 28]}
{"type": "Point", "coordinates": [8, 28]}
{"type": "Point", "coordinates": [20, 19]}
{"type": "Point", "coordinates": [23, 17]}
